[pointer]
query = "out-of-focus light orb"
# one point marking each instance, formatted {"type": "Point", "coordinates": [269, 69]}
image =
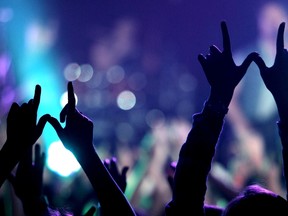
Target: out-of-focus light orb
{"type": "Point", "coordinates": [6, 14]}
{"type": "Point", "coordinates": [72, 71]}
{"type": "Point", "coordinates": [64, 99]}
{"type": "Point", "coordinates": [126, 100]}
{"type": "Point", "coordinates": [154, 118]}
{"type": "Point", "coordinates": [115, 74]}
{"type": "Point", "coordinates": [86, 73]}
{"type": "Point", "coordinates": [61, 160]}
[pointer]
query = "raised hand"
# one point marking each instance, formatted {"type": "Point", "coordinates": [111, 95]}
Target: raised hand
{"type": "Point", "coordinates": [221, 71]}
{"type": "Point", "coordinates": [22, 128]}
{"type": "Point", "coordinates": [77, 135]}
{"type": "Point", "coordinates": [22, 133]}
{"type": "Point", "coordinates": [119, 178]}
{"type": "Point", "coordinates": [276, 77]}
{"type": "Point", "coordinates": [28, 182]}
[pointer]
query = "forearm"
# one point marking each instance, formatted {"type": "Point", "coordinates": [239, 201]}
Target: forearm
{"type": "Point", "coordinates": [8, 159]}
{"type": "Point", "coordinates": [195, 162]}
{"type": "Point", "coordinates": [283, 132]}
{"type": "Point", "coordinates": [110, 196]}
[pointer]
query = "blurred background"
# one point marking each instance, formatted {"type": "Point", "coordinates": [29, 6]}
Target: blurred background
{"type": "Point", "coordinates": [136, 75]}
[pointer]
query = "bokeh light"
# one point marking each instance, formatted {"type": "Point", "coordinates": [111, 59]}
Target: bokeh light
{"type": "Point", "coordinates": [126, 100]}
{"type": "Point", "coordinates": [72, 71]}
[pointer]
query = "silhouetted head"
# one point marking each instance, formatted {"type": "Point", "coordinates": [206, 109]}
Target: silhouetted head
{"type": "Point", "coordinates": [256, 200]}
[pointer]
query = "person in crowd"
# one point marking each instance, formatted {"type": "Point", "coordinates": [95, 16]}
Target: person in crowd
{"type": "Point", "coordinates": [196, 154]}
{"type": "Point", "coordinates": [253, 140]}
{"type": "Point", "coordinates": [22, 133]}
{"type": "Point", "coordinates": [77, 136]}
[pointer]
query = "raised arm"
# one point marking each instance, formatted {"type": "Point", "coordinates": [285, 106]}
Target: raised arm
{"type": "Point", "coordinates": [197, 152]}
{"type": "Point", "coordinates": [28, 182]}
{"type": "Point", "coordinates": [22, 132]}
{"type": "Point", "coordinates": [276, 81]}
{"type": "Point", "coordinates": [77, 136]}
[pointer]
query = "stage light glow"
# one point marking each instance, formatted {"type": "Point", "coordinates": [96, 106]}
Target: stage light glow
{"type": "Point", "coordinates": [64, 99]}
{"type": "Point", "coordinates": [72, 71]}
{"type": "Point", "coordinates": [6, 14]}
{"type": "Point", "coordinates": [126, 100]}
{"type": "Point", "coordinates": [61, 160]}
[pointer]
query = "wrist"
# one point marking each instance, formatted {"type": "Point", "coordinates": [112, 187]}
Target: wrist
{"type": "Point", "coordinates": [218, 97]}
{"type": "Point", "coordinates": [215, 108]}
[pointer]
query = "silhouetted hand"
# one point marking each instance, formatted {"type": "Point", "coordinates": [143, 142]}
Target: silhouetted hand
{"type": "Point", "coordinates": [22, 128]}
{"type": "Point", "coordinates": [221, 71]}
{"type": "Point", "coordinates": [119, 178]}
{"type": "Point", "coordinates": [22, 132]}
{"type": "Point", "coordinates": [28, 182]}
{"type": "Point", "coordinates": [77, 135]}
{"type": "Point", "coordinates": [276, 77]}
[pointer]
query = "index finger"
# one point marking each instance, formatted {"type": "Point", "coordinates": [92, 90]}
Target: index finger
{"type": "Point", "coordinates": [226, 38]}
{"type": "Point", "coordinates": [280, 37]}
{"type": "Point", "coordinates": [71, 97]}
{"type": "Point", "coordinates": [37, 95]}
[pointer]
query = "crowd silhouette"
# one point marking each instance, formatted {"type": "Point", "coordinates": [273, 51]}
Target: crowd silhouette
{"type": "Point", "coordinates": [187, 177]}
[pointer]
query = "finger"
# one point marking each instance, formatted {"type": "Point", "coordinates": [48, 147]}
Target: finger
{"type": "Point", "coordinates": [113, 165]}
{"type": "Point", "coordinates": [106, 163]}
{"type": "Point", "coordinates": [170, 181]}
{"type": "Point", "coordinates": [14, 109]}
{"type": "Point", "coordinates": [214, 50]}
{"type": "Point", "coordinates": [173, 165]}
{"type": "Point", "coordinates": [226, 38]}
{"type": "Point", "coordinates": [202, 60]}
{"type": "Point", "coordinates": [40, 126]}
{"type": "Point", "coordinates": [260, 63]}
{"type": "Point", "coordinates": [64, 113]}
{"type": "Point", "coordinates": [247, 61]}
{"type": "Point", "coordinates": [27, 160]}
{"type": "Point", "coordinates": [280, 37]}
{"type": "Point", "coordinates": [71, 97]}
{"type": "Point", "coordinates": [37, 154]}
{"type": "Point", "coordinates": [91, 211]}
{"type": "Point", "coordinates": [124, 171]}
{"type": "Point", "coordinates": [56, 125]}
{"type": "Point", "coordinates": [37, 95]}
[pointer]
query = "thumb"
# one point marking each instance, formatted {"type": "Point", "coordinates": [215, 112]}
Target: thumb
{"type": "Point", "coordinates": [248, 60]}
{"type": "Point", "coordinates": [56, 125]}
{"type": "Point", "coordinates": [260, 63]}
{"type": "Point", "coordinates": [201, 59]}
{"type": "Point", "coordinates": [40, 126]}
{"type": "Point", "coordinates": [124, 171]}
